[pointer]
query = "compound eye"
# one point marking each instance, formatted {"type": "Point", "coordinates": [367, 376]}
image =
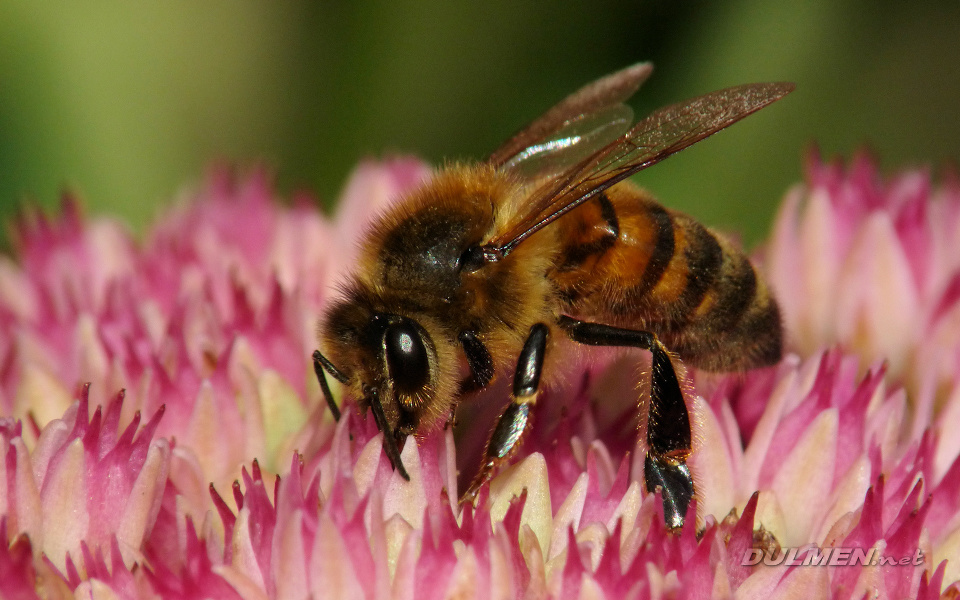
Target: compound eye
{"type": "Point", "coordinates": [407, 360]}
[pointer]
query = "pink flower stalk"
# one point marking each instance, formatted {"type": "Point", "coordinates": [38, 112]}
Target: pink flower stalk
{"type": "Point", "coordinates": [241, 485]}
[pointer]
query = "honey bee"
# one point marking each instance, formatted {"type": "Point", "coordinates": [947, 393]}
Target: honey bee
{"type": "Point", "coordinates": [503, 264]}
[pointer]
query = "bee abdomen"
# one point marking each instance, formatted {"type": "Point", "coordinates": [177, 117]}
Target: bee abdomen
{"type": "Point", "coordinates": [727, 318]}
{"type": "Point", "coordinates": [667, 274]}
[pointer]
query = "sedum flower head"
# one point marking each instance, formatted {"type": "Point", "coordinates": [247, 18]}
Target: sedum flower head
{"type": "Point", "coordinates": [218, 473]}
{"type": "Point", "coordinates": [870, 263]}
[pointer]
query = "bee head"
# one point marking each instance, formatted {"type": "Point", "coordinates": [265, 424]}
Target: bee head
{"type": "Point", "coordinates": [407, 356]}
{"type": "Point", "coordinates": [402, 364]}
{"type": "Point", "coordinates": [387, 355]}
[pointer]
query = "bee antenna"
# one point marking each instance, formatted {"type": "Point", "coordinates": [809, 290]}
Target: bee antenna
{"type": "Point", "coordinates": [389, 439]}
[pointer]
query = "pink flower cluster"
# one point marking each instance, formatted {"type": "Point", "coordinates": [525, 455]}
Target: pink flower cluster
{"type": "Point", "coordinates": [162, 435]}
{"type": "Point", "coordinates": [872, 266]}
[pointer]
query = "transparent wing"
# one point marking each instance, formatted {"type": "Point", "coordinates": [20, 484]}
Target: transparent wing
{"type": "Point", "coordinates": [587, 106]}
{"type": "Point", "coordinates": [665, 132]}
{"type": "Point", "coordinates": [579, 138]}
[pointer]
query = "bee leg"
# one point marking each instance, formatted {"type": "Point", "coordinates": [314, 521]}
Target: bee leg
{"type": "Point", "coordinates": [669, 439]}
{"type": "Point", "coordinates": [390, 444]}
{"type": "Point", "coordinates": [321, 364]}
{"type": "Point", "coordinates": [516, 419]}
{"type": "Point", "coordinates": [479, 361]}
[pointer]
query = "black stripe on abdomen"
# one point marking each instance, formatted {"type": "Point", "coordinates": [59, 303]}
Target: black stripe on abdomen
{"type": "Point", "coordinates": [734, 292]}
{"type": "Point", "coordinates": [662, 253]}
{"type": "Point", "coordinates": [704, 258]}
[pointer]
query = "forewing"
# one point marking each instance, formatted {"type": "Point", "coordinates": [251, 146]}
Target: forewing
{"type": "Point", "coordinates": [665, 132]}
{"type": "Point", "coordinates": [571, 144]}
{"type": "Point", "coordinates": [594, 97]}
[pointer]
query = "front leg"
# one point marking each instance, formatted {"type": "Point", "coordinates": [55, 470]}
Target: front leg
{"type": "Point", "coordinates": [669, 439]}
{"type": "Point", "coordinates": [515, 420]}
{"type": "Point", "coordinates": [321, 364]}
{"type": "Point", "coordinates": [391, 443]}
{"type": "Point", "coordinates": [479, 361]}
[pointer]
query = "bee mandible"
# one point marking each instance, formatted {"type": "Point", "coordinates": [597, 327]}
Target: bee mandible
{"type": "Point", "coordinates": [508, 263]}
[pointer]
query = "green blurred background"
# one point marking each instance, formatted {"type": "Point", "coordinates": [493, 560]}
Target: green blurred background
{"type": "Point", "coordinates": [129, 102]}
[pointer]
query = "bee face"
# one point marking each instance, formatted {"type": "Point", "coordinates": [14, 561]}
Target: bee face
{"type": "Point", "coordinates": [388, 358]}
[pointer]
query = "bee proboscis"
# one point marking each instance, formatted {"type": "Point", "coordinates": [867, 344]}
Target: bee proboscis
{"type": "Point", "coordinates": [503, 264]}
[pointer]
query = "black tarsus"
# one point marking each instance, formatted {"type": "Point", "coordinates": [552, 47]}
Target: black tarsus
{"type": "Point", "coordinates": [668, 423]}
{"type": "Point", "coordinates": [515, 419]}
{"type": "Point", "coordinates": [675, 484]}
{"type": "Point", "coordinates": [479, 361]}
{"type": "Point", "coordinates": [508, 431]}
{"type": "Point", "coordinates": [669, 438]}
{"type": "Point", "coordinates": [526, 380]}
